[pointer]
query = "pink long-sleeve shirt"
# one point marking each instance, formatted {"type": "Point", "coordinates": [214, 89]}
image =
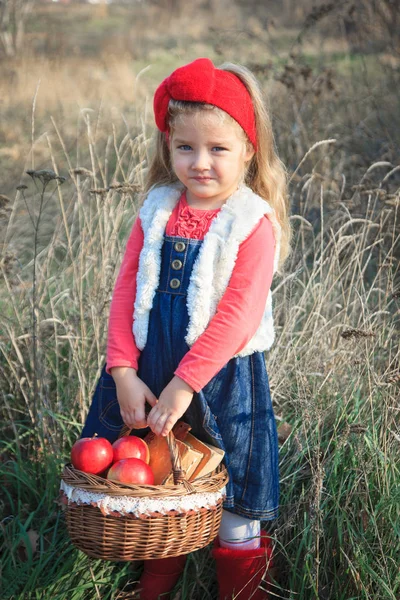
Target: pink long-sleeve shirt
{"type": "Point", "coordinates": [239, 311]}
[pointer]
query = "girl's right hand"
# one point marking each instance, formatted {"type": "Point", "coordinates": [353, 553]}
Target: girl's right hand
{"type": "Point", "coordinates": [132, 394]}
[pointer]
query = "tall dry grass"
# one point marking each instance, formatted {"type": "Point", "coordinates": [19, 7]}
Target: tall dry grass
{"type": "Point", "coordinates": [334, 369]}
{"type": "Point", "coordinates": [335, 376]}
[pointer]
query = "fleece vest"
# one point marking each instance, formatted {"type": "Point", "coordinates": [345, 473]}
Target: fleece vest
{"type": "Point", "coordinates": [213, 266]}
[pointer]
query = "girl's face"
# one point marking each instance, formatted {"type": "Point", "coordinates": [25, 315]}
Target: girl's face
{"type": "Point", "coordinates": [208, 157]}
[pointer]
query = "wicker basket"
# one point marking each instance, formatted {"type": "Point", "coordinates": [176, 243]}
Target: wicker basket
{"type": "Point", "coordinates": [144, 535]}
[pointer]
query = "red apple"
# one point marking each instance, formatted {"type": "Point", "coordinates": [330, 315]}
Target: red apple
{"type": "Point", "coordinates": [92, 455]}
{"type": "Point", "coordinates": [131, 470]}
{"type": "Point", "coordinates": [131, 446]}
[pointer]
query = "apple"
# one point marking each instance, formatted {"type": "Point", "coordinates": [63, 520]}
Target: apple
{"type": "Point", "coordinates": [92, 455]}
{"type": "Point", "coordinates": [131, 446]}
{"type": "Point", "coordinates": [131, 470]}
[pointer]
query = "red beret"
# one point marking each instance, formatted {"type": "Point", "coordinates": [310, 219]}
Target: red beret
{"type": "Point", "coordinates": [200, 81]}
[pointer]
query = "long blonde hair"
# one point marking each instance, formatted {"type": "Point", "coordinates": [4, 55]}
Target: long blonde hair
{"type": "Point", "coordinates": [265, 174]}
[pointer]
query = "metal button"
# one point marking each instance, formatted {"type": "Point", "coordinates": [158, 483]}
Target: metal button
{"type": "Point", "coordinates": [174, 283]}
{"type": "Point", "coordinates": [179, 246]}
{"type": "Point", "coordinates": [176, 264]}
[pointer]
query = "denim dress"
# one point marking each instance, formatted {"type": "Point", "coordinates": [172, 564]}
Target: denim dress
{"type": "Point", "coordinates": [233, 411]}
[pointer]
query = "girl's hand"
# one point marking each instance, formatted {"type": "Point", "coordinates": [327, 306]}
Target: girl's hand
{"type": "Point", "coordinates": [172, 403]}
{"type": "Point", "coordinates": [132, 394]}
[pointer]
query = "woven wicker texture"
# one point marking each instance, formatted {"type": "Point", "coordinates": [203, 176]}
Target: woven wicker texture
{"type": "Point", "coordinates": [125, 537]}
{"type": "Point", "coordinates": [208, 483]}
{"type": "Point", "coordinates": [129, 538]}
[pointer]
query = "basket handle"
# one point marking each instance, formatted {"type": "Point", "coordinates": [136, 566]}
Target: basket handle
{"type": "Point", "coordinates": [179, 475]}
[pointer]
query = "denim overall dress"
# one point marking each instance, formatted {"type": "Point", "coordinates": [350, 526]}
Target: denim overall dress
{"type": "Point", "coordinates": [233, 411]}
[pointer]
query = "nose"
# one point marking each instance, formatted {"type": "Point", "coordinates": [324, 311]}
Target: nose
{"type": "Point", "coordinates": [201, 160]}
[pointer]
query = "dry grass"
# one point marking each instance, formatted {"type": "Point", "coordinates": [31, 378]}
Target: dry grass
{"type": "Point", "coordinates": [334, 369]}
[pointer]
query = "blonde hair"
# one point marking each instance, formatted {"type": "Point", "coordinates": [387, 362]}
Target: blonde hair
{"type": "Point", "coordinates": [265, 173]}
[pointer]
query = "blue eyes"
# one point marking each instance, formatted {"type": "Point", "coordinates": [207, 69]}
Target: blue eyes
{"type": "Point", "coordinates": [186, 147]}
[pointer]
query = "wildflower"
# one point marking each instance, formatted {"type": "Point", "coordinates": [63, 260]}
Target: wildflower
{"type": "Point", "coordinates": [81, 171]}
{"type": "Point", "coordinates": [125, 188]}
{"type": "Point", "coordinates": [393, 377]}
{"type": "Point", "coordinates": [45, 176]}
{"type": "Point", "coordinates": [357, 428]}
{"type": "Point", "coordinates": [99, 191]}
{"type": "Point", "coordinates": [4, 200]}
{"type": "Point", "coordinates": [7, 262]}
{"type": "Point", "coordinates": [356, 333]}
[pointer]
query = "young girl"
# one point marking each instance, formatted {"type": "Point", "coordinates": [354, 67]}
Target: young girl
{"type": "Point", "coordinates": [191, 313]}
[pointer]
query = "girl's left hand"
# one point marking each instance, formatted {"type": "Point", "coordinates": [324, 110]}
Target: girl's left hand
{"type": "Point", "coordinates": [172, 403]}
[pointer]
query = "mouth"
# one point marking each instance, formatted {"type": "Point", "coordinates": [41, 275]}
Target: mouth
{"type": "Point", "coordinates": [202, 178]}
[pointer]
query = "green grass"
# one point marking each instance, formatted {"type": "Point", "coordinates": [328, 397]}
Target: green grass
{"type": "Point", "coordinates": [351, 486]}
{"type": "Point", "coordinates": [338, 528]}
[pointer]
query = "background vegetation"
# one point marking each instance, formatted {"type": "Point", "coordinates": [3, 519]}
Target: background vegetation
{"type": "Point", "coordinates": [76, 87]}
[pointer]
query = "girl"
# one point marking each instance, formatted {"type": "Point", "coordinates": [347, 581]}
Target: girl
{"type": "Point", "coordinates": [191, 313]}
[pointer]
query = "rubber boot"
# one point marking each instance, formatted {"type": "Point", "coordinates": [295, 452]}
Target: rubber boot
{"type": "Point", "coordinates": [240, 572]}
{"type": "Point", "coordinates": [159, 577]}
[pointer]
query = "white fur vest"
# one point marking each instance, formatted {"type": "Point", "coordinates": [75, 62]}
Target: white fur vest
{"type": "Point", "coordinates": [213, 266]}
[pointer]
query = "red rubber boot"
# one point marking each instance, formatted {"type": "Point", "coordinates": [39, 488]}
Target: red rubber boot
{"type": "Point", "coordinates": [159, 577]}
{"type": "Point", "coordinates": [239, 572]}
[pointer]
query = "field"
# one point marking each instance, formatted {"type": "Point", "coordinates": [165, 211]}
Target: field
{"type": "Point", "coordinates": [77, 99]}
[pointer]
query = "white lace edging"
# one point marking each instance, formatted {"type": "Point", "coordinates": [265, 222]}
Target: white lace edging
{"type": "Point", "coordinates": [141, 507]}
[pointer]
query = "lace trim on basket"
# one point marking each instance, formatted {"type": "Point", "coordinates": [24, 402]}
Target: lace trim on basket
{"type": "Point", "coordinates": [142, 507]}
